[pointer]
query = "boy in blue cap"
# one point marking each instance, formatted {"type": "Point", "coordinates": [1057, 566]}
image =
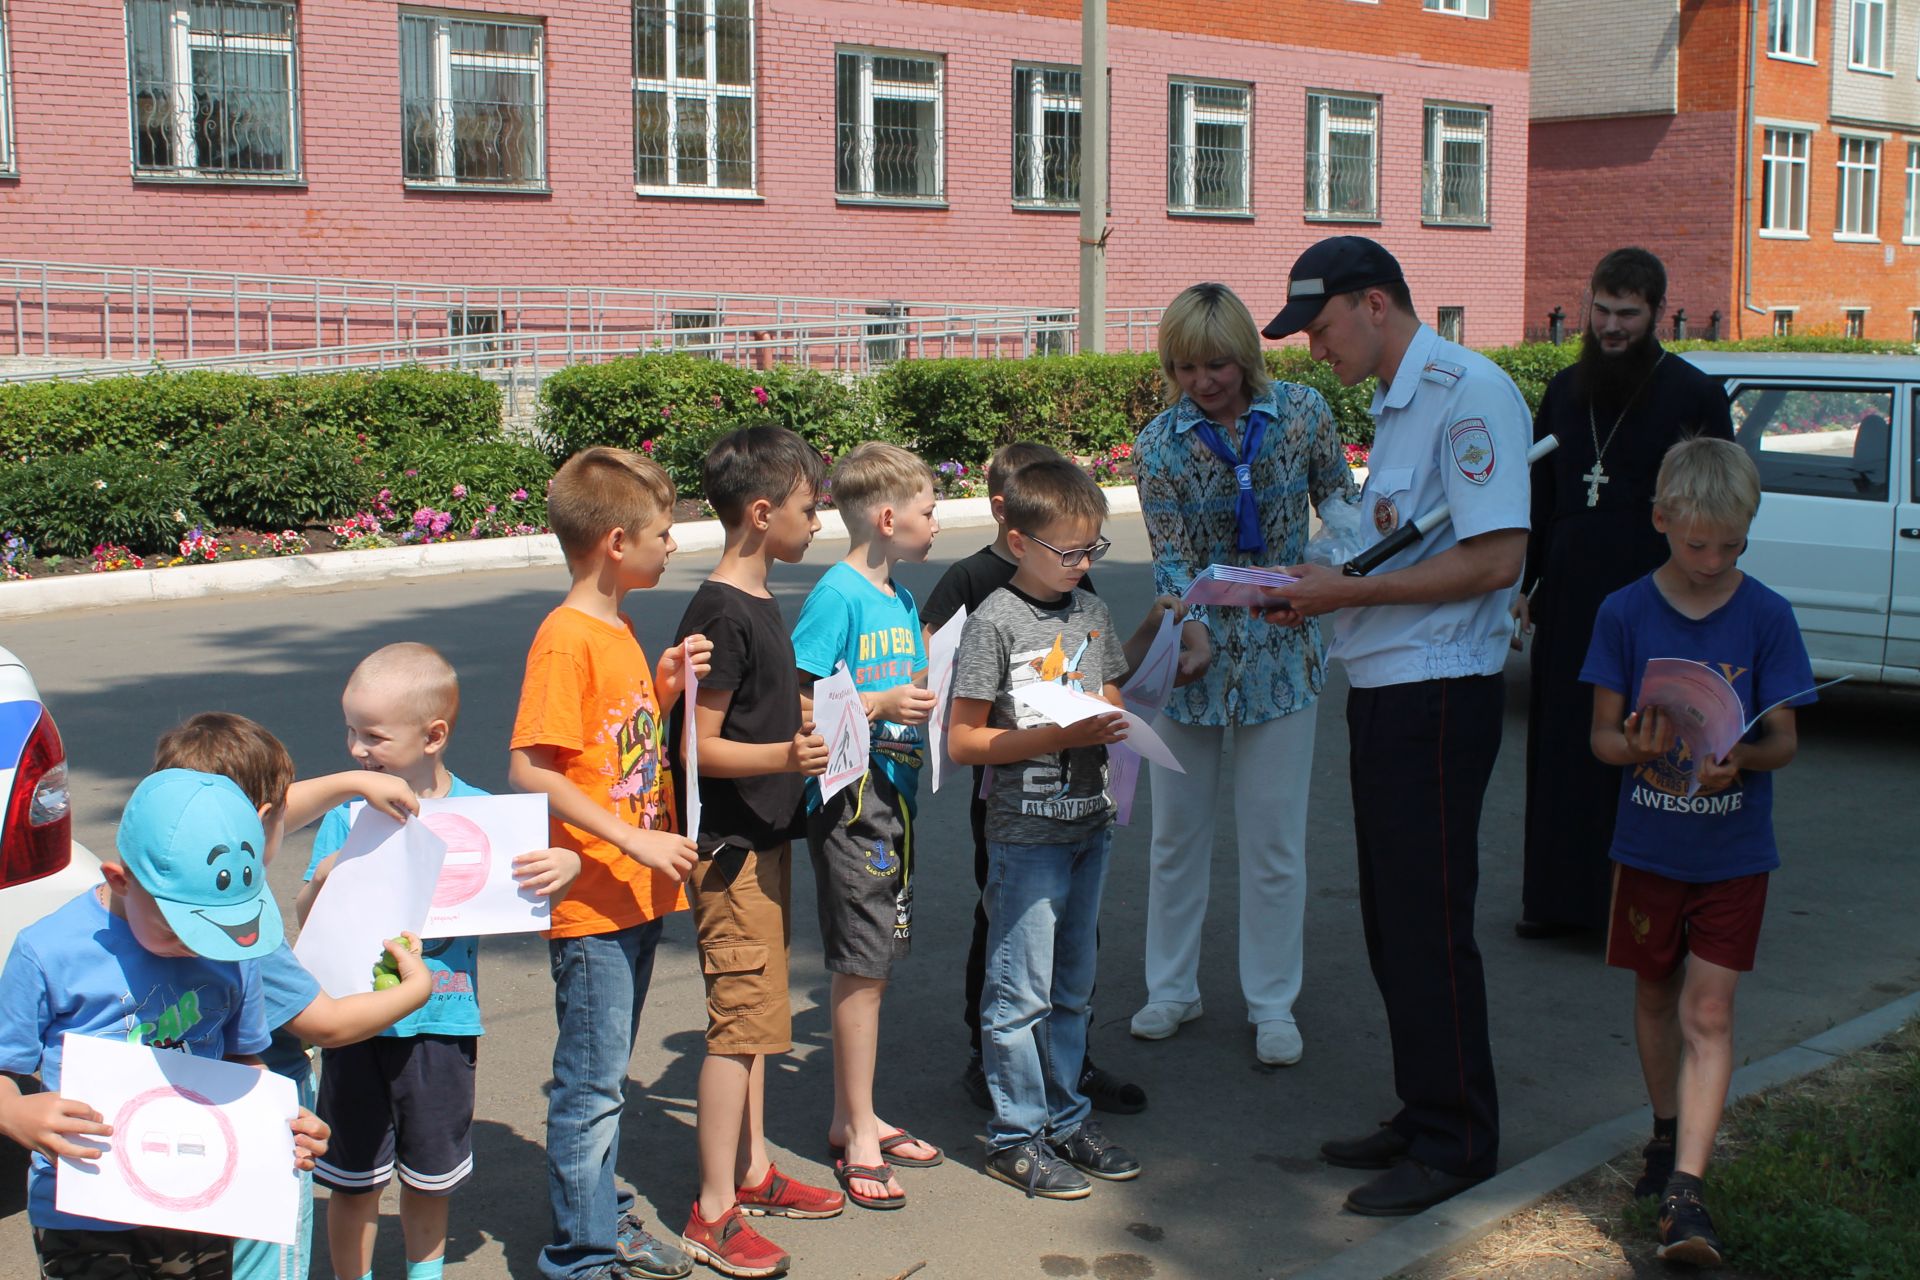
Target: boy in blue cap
{"type": "Point", "coordinates": [151, 956]}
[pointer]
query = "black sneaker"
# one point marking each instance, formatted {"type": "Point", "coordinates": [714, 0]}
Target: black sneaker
{"type": "Point", "coordinates": [1036, 1170]}
{"type": "Point", "coordinates": [1658, 1154]}
{"type": "Point", "coordinates": [1108, 1092]}
{"type": "Point", "coordinates": [1092, 1153]}
{"type": "Point", "coordinates": [1686, 1232]}
{"type": "Point", "coordinates": [975, 1083]}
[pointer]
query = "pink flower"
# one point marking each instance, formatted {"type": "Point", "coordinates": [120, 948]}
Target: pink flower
{"type": "Point", "coordinates": [718, 401]}
{"type": "Point", "coordinates": [760, 394]}
{"type": "Point", "coordinates": [459, 491]}
{"type": "Point", "coordinates": [646, 446]}
{"type": "Point", "coordinates": [412, 472]}
{"type": "Point", "coordinates": [666, 411]}
{"type": "Point", "coordinates": [519, 495]}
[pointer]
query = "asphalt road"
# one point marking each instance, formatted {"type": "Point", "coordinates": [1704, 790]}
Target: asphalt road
{"type": "Point", "coordinates": [1232, 1186]}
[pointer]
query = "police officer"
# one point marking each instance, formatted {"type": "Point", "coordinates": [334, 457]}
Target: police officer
{"type": "Point", "coordinates": [1423, 639]}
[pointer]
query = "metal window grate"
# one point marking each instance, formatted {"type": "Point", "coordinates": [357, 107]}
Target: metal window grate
{"type": "Point", "coordinates": [1454, 157]}
{"type": "Point", "coordinates": [693, 94]}
{"type": "Point", "coordinates": [889, 124]}
{"type": "Point", "coordinates": [212, 88]}
{"type": "Point", "coordinates": [472, 101]}
{"type": "Point", "coordinates": [695, 331]}
{"type": "Point", "coordinates": [1208, 151]}
{"type": "Point", "coordinates": [1451, 324]}
{"type": "Point", "coordinates": [1342, 157]}
{"type": "Point", "coordinates": [1046, 136]}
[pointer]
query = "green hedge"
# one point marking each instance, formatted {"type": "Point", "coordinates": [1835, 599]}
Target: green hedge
{"type": "Point", "coordinates": [65, 504]}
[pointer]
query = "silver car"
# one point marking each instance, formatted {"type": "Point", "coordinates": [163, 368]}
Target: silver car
{"type": "Point", "coordinates": [41, 865]}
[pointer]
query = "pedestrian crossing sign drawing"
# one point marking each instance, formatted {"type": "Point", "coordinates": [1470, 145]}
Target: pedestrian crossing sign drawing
{"type": "Point", "coordinates": [842, 721]}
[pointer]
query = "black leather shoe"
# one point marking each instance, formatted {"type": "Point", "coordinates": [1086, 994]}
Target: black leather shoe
{"type": "Point", "coordinates": [1409, 1187]}
{"type": "Point", "coordinates": [1537, 930]}
{"type": "Point", "coordinates": [1381, 1149]}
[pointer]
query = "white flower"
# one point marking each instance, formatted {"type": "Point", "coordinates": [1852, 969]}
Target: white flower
{"type": "Point", "coordinates": [99, 484]}
{"type": "Point", "coordinates": [179, 516]}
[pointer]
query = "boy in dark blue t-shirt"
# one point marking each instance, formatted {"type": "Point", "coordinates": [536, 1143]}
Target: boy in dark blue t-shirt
{"type": "Point", "coordinates": [1693, 844]}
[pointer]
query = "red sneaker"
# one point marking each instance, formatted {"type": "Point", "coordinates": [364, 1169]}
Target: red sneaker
{"type": "Point", "coordinates": [731, 1247]}
{"type": "Point", "coordinates": [779, 1196]}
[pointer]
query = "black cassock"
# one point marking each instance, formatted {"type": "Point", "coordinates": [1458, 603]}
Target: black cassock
{"type": "Point", "coordinates": [1576, 557]}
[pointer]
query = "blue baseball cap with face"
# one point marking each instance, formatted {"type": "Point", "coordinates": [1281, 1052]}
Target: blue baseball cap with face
{"type": "Point", "coordinates": [195, 844]}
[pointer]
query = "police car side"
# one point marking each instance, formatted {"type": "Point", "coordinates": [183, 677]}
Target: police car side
{"type": "Point", "coordinates": [1836, 442]}
{"type": "Point", "coordinates": [41, 865]}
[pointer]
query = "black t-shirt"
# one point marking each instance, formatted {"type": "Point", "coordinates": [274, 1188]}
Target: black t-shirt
{"type": "Point", "coordinates": [971, 581]}
{"type": "Point", "coordinates": [752, 657]}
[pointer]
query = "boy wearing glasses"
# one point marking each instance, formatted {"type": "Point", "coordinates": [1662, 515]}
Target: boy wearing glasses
{"type": "Point", "coordinates": [1048, 817]}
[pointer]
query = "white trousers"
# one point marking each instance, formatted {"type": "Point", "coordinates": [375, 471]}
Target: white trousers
{"type": "Point", "coordinates": [1272, 771]}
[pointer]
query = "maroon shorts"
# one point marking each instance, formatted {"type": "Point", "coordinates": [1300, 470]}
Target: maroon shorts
{"type": "Point", "coordinates": [1656, 922]}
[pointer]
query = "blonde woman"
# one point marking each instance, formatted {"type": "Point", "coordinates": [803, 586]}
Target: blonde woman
{"type": "Point", "coordinates": [1226, 473]}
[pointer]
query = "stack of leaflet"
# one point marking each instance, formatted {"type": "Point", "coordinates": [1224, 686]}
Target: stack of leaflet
{"type": "Point", "coordinates": [1237, 585]}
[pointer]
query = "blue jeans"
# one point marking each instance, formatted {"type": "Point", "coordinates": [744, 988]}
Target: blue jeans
{"type": "Point", "coordinates": [1043, 908]}
{"type": "Point", "coordinates": [600, 985]}
{"type": "Point", "coordinates": [261, 1260]}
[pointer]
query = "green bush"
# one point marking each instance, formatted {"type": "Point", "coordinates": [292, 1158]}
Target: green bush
{"type": "Point", "coordinates": [425, 470]}
{"type": "Point", "coordinates": [262, 473]}
{"type": "Point", "coordinates": [965, 409]}
{"type": "Point", "coordinates": [397, 402]}
{"type": "Point", "coordinates": [65, 504]}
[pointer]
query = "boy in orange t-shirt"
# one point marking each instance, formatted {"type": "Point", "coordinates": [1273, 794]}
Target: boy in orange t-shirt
{"type": "Point", "coordinates": [589, 735]}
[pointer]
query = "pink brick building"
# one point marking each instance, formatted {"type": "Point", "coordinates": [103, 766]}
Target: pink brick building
{"type": "Point", "coordinates": [851, 148]}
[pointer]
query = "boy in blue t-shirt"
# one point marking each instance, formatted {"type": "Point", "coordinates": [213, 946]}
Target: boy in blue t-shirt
{"type": "Point", "coordinates": [152, 956]}
{"type": "Point", "coordinates": [404, 1098]}
{"type": "Point", "coordinates": [861, 839]}
{"type": "Point", "coordinates": [1693, 843]}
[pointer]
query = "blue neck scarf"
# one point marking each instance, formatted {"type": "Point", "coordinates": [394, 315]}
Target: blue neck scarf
{"type": "Point", "coordinates": [1252, 540]}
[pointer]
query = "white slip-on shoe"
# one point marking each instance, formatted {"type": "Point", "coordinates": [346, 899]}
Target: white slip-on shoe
{"type": "Point", "coordinates": [1277, 1043]}
{"type": "Point", "coordinates": [1159, 1019]}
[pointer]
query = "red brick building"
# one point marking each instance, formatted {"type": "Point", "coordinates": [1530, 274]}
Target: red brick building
{"type": "Point", "coordinates": [846, 148]}
{"type": "Point", "coordinates": [1768, 150]}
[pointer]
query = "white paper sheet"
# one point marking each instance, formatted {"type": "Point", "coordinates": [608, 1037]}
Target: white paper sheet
{"type": "Point", "coordinates": [690, 747]}
{"type": "Point", "coordinates": [476, 893]}
{"type": "Point", "coordinates": [198, 1144]}
{"type": "Point", "coordinates": [942, 648]}
{"type": "Point", "coordinates": [842, 721]}
{"type": "Point", "coordinates": [1066, 706]}
{"type": "Point", "coordinates": [1146, 692]}
{"type": "Point", "coordinates": [382, 884]}
{"type": "Point", "coordinates": [1228, 584]}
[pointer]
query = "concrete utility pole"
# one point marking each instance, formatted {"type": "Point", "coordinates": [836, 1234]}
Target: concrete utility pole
{"type": "Point", "coordinates": [1093, 175]}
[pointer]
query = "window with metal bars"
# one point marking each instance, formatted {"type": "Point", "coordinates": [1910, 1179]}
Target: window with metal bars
{"type": "Point", "coordinates": [213, 88]}
{"type": "Point", "coordinates": [1343, 150]}
{"type": "Point", "coordinates": [1857, 211]}
{"type": "Point", "coordinates": [1451, 324]}
{"type": "Point", "coordinates": [1209, 147]}
{"type": "Point", "coordinates": [472, 101]}
{"type": "Point", "coordinates": [1454, 160]}
{"type": "Point", "coordinates": [889, 118]}
{"type": "Point", "coordinates": [693, 95]}
{"type": "Point", "coordinates": [695, 329]}
{"type": "Point", "coordinates": [1046, 136]}
{"type": "Point", "coordinates": [7, 165]}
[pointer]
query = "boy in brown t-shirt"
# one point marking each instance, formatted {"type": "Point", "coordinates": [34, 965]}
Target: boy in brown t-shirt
{"type": "Point", "coordinates": [589, 736]}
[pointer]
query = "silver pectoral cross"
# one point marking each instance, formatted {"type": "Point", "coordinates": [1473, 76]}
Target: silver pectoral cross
{"type": "Point", "coordinates": [1595, 478]}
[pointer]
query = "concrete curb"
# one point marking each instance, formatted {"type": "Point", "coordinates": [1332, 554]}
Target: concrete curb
{"type": "Point", "coordinates": [1469, 1216]}
{"type": "Point", "coordinates": [337, 568]}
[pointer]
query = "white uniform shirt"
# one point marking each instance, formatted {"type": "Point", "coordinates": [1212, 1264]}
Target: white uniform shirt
{"type": "Point", "coordinates": [1449, 427]}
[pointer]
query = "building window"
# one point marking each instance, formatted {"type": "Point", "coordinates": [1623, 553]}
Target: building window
{"type": "Point", "coordinates": [1910, 228]}
{"type": "Point", "coordinates": [1867, 49]}
{"type": "Point", "coordinates": [1790, 29]}
{"type": "Point", "coordinates": [213, 88]}
{"type": "Point", "coordinates": [1343, 135]}
{"type": "Point", "coordinates": [1046, 136]}
{"type": "Point", "coordinates": [1914, 337]}
{"type": "Point", "coordinates": [1856, 323]}
{"type": "Point", "coordinates": [6, 98]}
{"type": "Point", "coordinates": [472, 101]}
{"type": "Point", "coordinates": [1051, 332]}
{"type": "Point", "coordinates": [1454, 155]}
{"type": "Point", "coordinates": [890, 124]}
{"type": "Point", "coordinates": [1783, 322]}
{"type": "Point", "coordinates": [693, 95]}
{"type": "Point", "coordinates": [1465, 8]}
{"type": "Point", "coordinates": [1858, 213]}
{"type": "Point", "coordinates": [695, 329]}
{"type": "Point", "coordinates": [1783, 181]}
{"type": "Point", "coordinates": [1209, 147]}
{"type": "Point", "coordinates": [1451, 324]}
{"type": "Point", "coordinates": [882, 338]}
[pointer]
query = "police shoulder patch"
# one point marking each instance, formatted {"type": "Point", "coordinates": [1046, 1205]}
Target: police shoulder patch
{"type": "Point", "coordinates": [1444, 372]}
{"type": "Point", "coordinates": [1472, 447]}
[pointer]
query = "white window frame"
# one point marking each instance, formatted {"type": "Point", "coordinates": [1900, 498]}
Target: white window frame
{"type": "Point", "coordinates": [444, 62]}
{"type": "Point", "coordinates": [869, 89]}
{"type": "Point", "coordinates": [1322, 125]}
{"type": "Point", "coordinates": [1848, 328]}
{"type": "Point", "coordinates": [176, 60]}
{"type": "Point", "coordinates": [1790, 30]}
{"type": "Point", "coordinates": [673, 88]}
{"type": "Point", "coordinates": [1435, 134]}
{"type": "Point", "coordinates": [1183, 133]}
{"type": "Point", "coordinates": [1910, 228]}
{"type": "Point", "coordinates": [1029, 149]}
{"type": "Point", "coordinates": [1459, 8]}
{"type": "Point", "coordinates": [8, 166]}
{"type": "Point", "coordinates": [1857, 189]}
{"type": "Point", "coordinates": [1867, 37]}
{"type": "Point", "coordinates": [1786, 153]}
{"type": "Point", "coordinates": [1783, 321]}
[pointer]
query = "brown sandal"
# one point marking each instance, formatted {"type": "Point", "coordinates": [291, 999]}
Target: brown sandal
{"type": "Point", "coordinates": [845, 1174]}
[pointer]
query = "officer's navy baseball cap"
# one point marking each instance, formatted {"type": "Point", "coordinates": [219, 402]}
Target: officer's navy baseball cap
{"type": "Point", "coordinates": [194, 842]}
{"type": "Point", "coordinates": [1338, 264]}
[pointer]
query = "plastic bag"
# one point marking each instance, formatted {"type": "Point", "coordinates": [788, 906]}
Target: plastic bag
{"type": "Point", "coordinates": [1343, 534]}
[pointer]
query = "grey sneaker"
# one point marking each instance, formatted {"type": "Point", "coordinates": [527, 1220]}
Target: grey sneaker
{"type": "Point", "coordinates": [1036, 1170]}
{"type": "Point", "coordinates": [1092, 1153]}
{"type": "Point", "coordinates": [646, 1256]}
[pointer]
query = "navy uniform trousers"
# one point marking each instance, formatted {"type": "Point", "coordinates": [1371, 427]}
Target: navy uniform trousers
{"type": "Point", "coordinates": [1421, 755]}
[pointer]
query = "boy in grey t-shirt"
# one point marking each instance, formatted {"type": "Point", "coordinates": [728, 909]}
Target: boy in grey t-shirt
{"type": "Point", "coordinates": [1048, 815]}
